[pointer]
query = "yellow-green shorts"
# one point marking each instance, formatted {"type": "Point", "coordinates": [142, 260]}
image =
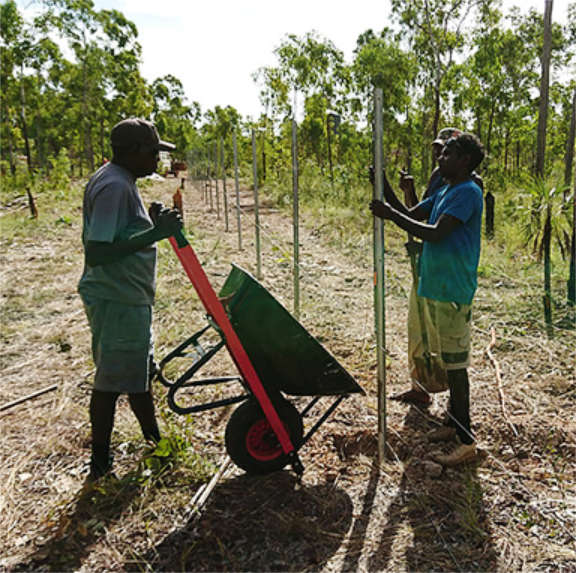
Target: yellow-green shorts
{"type": "Point", "coordinates": [438, 340]}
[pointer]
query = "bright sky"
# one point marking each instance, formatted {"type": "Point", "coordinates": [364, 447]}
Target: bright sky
{"type": "Point", "coordinates": [214, 46]}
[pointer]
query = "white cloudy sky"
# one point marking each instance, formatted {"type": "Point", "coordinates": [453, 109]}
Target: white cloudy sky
{"type": "Point", "coordinates": [214, 46]}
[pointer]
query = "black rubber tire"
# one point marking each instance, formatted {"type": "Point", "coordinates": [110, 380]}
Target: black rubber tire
{"type": "Point", "coordinates": [251, 442]}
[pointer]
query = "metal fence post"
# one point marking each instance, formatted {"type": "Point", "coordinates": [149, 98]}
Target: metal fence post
{"type": "Point", "coordinates": [216, 179]}
{"type": "Point", "coordinates": [256, 209]}
{"type": "Point", "coordinates": [379, 304]}
{"type": "Point", "coordinates": [224, 190]}
{"type": "Point", "coordinates": [237, 187]}
{"type": "Point", "coordinates": [295, 219]}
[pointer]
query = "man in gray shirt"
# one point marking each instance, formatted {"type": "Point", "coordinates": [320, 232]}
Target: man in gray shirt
{"type": "Point", "coordinates": [117, 286]}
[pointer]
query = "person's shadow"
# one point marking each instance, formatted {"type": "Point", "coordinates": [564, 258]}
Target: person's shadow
{"type": "Point", "coordinates": [447, 519]}
{"type": "Point", "coordinates": [258, 523]}
{"type": "Point", "coordinates": [80, 523]}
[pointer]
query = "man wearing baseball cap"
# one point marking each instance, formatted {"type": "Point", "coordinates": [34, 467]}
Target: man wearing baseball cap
{"type": "Point", "coordinates": [117, 285]}
{"type": "Point", "coordinates": [435, 182]}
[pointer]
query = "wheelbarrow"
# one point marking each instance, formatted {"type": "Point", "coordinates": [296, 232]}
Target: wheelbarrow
{"type": "Point", "coordinates": [275, 357]}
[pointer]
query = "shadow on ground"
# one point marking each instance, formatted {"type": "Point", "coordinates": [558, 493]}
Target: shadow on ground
{"type": "Point", "coordinates": [431, 523]}
{"type": "Point", "coordinates": [264, 523]}
{"type": "Point", "coordinates": [79, 524]}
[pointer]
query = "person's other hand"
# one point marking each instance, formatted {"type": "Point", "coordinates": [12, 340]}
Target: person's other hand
{"type": "Point", "coordinates": [168, 222]}
{"type": "Point", "coordinates": [379, 209]}
{"type": "Point", "coordinates": [154, 210]}
{"type": "Point", "coordinates": [406, 181]}
{"type": "Point", "coordinates": [371, 175]}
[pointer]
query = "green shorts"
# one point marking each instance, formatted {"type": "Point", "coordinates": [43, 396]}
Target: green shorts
{"type": "Point", "coordinates": [438, 340]}
{"type": "Point", "coordinates": [121, 345]}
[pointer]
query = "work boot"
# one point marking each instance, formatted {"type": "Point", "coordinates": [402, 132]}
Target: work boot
{"type": "Point", "coordinates": [441, 434]}
{"type": "Point", "coordinates": [462, 454]}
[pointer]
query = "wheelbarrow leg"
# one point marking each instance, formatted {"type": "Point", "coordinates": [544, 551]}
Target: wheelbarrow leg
{"type": "Point", "coordinates": [296, 464]}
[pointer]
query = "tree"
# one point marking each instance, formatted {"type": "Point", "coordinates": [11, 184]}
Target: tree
{"type": "Point", "coordinates": [16, 53]}
{"type": "Point", "coordinates": [312, 68]}
{"type": "Point", "coordinates": [174, 118]}
{"type": "Point", "coordinates": [380, 61]}
{"type": "Point", "coordinates": [434, 30]}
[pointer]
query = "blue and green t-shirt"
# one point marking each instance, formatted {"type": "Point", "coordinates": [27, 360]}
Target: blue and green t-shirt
{"type": "Point", "coordinates": [448, 268]}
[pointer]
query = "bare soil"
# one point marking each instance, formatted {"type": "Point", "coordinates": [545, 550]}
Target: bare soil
{"type": "Point", "coordinates": [514, 509]}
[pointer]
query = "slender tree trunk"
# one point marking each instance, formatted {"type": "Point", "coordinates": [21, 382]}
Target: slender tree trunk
{"type": "Point", "coordinates": [87, 134]}
{"type": "Point", "coordinates": [544, 90]}
{"type": "Point", "coordinates": [263, 152]}
{"type": "Point", "coordinates": [546, 242]}
{"type": "Point", "coordinates": [540, 162]}
{"type": "Point", "coordinates": [569, 159]}
{"type": "Point", "coordinates": [11, 152]}
{"type": "Point", "coordinates": [572, 275]}
{"type": "Point", "coordinates": [24, 123]}
{"type": "Point", "coordinates": [488, 141]}
{"type": "Point", "coordinates": [568, 174]}
{"type": "Point", "coordinates": [489, 217]}
{"type": "Point", "coordinates": [478, 129]}
{"type": "Point", "coordinates": [329, 141]}
{"type": "Point", "coordinates": [40, 139]}
{"type": "Point", "coordinates": [40, 146]}
{"type": "Point", "coordinates": [426, 155]}
{"type": "Point", "coordinates": [102, 140]}
{"type": "Point", "coordinates": [10, 143]}
{"type": "Point", "coordinates": [506, 150]}
{"type": "Point", "coordinates": [436, 120]}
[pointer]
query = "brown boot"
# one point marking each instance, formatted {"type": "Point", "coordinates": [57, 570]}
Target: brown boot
{"type": "Point", "coordinates": [462, 454]}
{"type": "Point", "coordinates": [441, 434]}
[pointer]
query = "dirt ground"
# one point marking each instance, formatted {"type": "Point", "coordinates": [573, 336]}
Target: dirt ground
{"type": "Point", "coordinates": [512, 510]}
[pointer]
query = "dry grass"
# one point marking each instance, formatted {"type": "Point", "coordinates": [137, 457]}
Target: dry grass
{"type": "Point", "coordinates": [515, 510]}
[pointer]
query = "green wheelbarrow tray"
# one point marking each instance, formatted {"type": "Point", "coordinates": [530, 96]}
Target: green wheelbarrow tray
{"type": "Point", "coordinates": [284, 354]}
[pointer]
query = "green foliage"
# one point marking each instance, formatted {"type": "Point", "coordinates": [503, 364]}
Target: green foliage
{"type": "Point", "coordinates": [536, 198]}
{"type": "Point", "coordinates": [60, 169]}
{"type": "Point", "coordinates": [50, 102]}
{"type": "Point", "coordinates": [171, 453]}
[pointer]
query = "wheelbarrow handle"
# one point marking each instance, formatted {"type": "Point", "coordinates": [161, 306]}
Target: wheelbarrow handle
{"type": "Point", "coordinates": [181, 239]}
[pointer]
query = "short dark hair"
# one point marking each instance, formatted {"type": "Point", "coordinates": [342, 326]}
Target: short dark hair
{"type": "Point", "coordinates": [468, 144]}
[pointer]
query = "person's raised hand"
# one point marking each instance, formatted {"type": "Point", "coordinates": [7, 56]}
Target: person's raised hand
{"type": "Point", "coordinates": [168, 222]}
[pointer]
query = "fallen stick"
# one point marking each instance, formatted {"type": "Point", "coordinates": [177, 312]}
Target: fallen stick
{"type": "Point", "coordinates": [29, 397]}
{"type": "Point", "coordinates": [499, 379]}
{"type": "Point", "coordinates": [196, 504]}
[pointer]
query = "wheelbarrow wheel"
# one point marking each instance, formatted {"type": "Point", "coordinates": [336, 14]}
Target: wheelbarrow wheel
{"type": "Point", "coordinates": [252, 444]}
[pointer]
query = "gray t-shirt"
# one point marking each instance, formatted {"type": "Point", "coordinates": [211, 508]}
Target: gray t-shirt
{"type": "Point", "coordinates": [113, 210]}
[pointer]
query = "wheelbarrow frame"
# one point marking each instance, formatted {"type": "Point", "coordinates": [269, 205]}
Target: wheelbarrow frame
{"type": "Point", "coordinates": [219, 321]}
{"type": "Point", "coordinates": [202, 357]}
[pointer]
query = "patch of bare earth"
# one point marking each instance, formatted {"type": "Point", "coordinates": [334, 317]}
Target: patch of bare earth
{"type": "Point", "coordinates": [513, 510]}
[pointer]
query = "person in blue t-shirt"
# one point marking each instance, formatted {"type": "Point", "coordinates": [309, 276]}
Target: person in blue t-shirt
{"type": "Point", "coordinates": [425, 378]}
{"type": "Point", "coordinates": [448, 275]}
